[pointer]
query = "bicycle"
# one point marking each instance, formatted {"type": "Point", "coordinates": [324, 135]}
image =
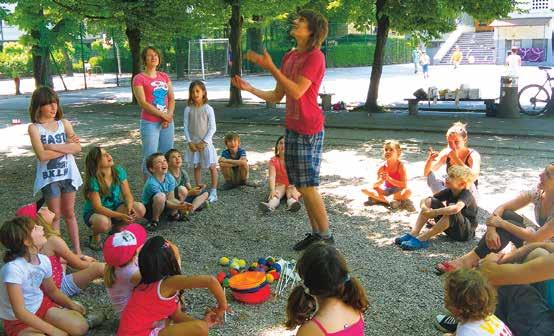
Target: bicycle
{"type": "Point", "coordinates": [534, 99]}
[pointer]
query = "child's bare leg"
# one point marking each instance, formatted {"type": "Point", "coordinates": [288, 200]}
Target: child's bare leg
{"type": "Point", "coordinates": [158, 206]}
{"type": "Point", "coordinates": [54, 206]}
{"type": "Point", "coordinates": [275, 200]}
{"type": "Point", "coordinates": [84, 277]}
{"type": "Point", "coordinates": [293, 193]}
{"type": "Point", "coordinates": [468, 260]}
{"type": "Point", "coordinates": [198, 175]}
{"type": "Point", "coordinates": [376, 194]}
{"type": "Point", "coordinates": [182, 193]}
{"type": "Point", "coordinates": [192, 328]}
{"type": "Point", "coordinates": [315, 208]}
{"type": "Point", "coordinates": [441, 225]}
{"type": "Point", "coordinates": [227, 173]}
{"type": "Point", "coordinates": [402, 195]}
{"type": "Point", "coordinates": [199, 200]}
{"type": "Point", "coordinates": [243, 173]}
{"type": "Point", "coordinates": [214, 175]}
{"type": "Point", "coordinates": [67, 320]}
{"type": "Point", "coordinates": [99, 224]}
{"type": "Point", "coordinates": [421, 220]}
{"type": "Point", "coordinates": [68, 213]}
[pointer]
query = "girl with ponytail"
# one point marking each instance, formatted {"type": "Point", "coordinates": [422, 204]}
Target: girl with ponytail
{"type": "Point", "coordinates": [329, 300]}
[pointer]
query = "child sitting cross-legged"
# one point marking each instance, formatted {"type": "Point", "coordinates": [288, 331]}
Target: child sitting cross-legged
{"type": "Point", "coordinates": [158, 194]}
{"type": "Point", "coordinates": [471, 299]}
{"type": "Point", "coordinates": [233, 162]}
{"type": "Point", "coordinates": [391, 180]}
{"type": "Point", "coordinates": [197, 196]}
{"type": "Point", "coordinates": [454, 210]}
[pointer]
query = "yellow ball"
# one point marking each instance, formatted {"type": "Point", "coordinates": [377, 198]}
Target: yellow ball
{"type": "Point", "coordinates": [254, 264]}
{"type": "Point", "coordinates": [269, 278]}
{"type": "Point", "coordinates": [224, 261]}
{"type": "Point", "coordinates": [234, 265]}
{"type": "Point", "coordinates": [242, 263]}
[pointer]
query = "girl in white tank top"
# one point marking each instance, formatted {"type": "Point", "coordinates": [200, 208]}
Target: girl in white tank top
{"type": "Point", "coordinates": [54, 143]}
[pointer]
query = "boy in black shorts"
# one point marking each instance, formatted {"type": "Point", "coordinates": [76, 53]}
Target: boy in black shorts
{"type": "Point", "coordinates": [454, 210]}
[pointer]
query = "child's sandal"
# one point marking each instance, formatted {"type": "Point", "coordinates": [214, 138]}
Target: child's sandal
{"type": "Point", "coordinates": [152, 226]}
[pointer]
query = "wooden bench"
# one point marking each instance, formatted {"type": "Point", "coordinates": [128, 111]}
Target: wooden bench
{"type": "Point", "coordinates": [413, 103]}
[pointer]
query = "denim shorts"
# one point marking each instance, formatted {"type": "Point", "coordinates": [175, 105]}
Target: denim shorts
{"type": "Point", "coordinates": [68, 286]}
{"type": "Point", "coordinates": [303, 158]}
{"type": "Point", "coordinates": [55, 189]}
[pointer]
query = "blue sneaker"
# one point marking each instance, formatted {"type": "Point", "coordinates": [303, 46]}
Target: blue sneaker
{"type": "Point", "coordinates": [403, 238]}
{"type": "Point", "coordinates": [414, 244]}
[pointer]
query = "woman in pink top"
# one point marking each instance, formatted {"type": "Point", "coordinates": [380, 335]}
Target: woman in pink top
{"type": "Point", "coordinates": [154, 93]}
{"type": "Point", "coordinates": [299, 79]}
{"type": "Point", "coordinates": [157, 297]}
{"type": "Point", "coordinates": [329, 301]}
{"type": "Point", "coordinates": [278, 181]}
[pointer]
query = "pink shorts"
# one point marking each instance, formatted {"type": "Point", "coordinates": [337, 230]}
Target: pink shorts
{"type": "Point", "coordinates": [14, 327]}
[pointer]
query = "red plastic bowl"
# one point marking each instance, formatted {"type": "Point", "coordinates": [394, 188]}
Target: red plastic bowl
{"type": "Point", "coordinates": [260, 296]}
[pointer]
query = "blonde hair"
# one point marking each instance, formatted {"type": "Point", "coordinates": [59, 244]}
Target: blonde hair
{"type": "Point", "coordinates": [462, 173]}
{"type": "Point", "coordinates": [468, 295]}
{"type": "Point", "coordinates": [109, 275]}
{"type": "Point", "coordinates": [49, 231]}
{"type": "Point", "coordinates": [393, 144]}
{"type": "Point", "coordinates": [458, 128]}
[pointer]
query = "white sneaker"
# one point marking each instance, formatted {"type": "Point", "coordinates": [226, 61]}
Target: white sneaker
{"type": "Point", "coordinates": [212, 195]}
{"type": "Point", "coordinates": [265, 207]}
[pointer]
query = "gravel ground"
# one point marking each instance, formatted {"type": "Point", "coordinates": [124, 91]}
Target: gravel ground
{"type": "Point", "coordinates": [404, 292]}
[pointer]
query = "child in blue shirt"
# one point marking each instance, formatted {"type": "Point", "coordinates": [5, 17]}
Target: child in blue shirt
{"type": "Point", "coordinates": [158, 193]}
{"type": "Point", "coordinates": [233, 162]}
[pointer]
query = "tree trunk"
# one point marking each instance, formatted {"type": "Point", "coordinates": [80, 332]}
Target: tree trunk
{"type": "Point", "coordinates": [383, 24]}
{"type": "Point", "coordinates": [41, 59]}
{"type": "Point", "coordinates": [134, 36]}
{"type": "Point", "coordinates": [180, 56]}
{"type": "Point", "coordinates": [236, 20]}
{"type": "Point", "coordinates": [255, 41]}
{"type": "Point", "coordinates": [68, 63]}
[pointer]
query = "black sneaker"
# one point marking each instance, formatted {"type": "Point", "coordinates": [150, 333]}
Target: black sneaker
{"type": "Point", "coordinates": [446, 323]}
{"type": "Point", "coordinates": [307, 241]}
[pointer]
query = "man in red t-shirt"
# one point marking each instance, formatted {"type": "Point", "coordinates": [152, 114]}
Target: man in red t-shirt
{"type": "Point", "coordinates": [299, 79]}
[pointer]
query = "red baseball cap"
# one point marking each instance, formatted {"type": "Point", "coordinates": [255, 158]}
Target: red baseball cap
{"type": "Point", "coordinates": [120, 247]}
{"type": "Point", "coordinates": [28, 210]}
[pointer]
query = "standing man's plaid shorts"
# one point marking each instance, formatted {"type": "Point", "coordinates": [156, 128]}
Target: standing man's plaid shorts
{"type": "Point", "coordinates": [303, 158]}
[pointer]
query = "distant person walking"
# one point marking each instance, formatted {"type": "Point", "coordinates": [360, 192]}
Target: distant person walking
{"type": "Point", "coordinates": [424, 60]}
{"type": "Point", "coordinates": [457, 57]}
{"type": "Point", "coordinates": [513, 61]}
{"type": "Point", "coordinates": [415, 59]}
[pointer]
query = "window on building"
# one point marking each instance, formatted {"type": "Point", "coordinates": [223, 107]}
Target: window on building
{"type": "Point", "coordinates": [513, 44]}
{"type": "Point", "coordinates": [539, 43]}
{"type": "Point", "coordinates": [540, 4]}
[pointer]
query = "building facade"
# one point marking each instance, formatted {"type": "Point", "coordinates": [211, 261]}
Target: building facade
{"type": "Point", "coordinates": [530, 30]}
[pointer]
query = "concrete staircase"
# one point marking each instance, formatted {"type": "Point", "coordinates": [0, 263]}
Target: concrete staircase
{"type": "Point", "coordinates": [479, 45]}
